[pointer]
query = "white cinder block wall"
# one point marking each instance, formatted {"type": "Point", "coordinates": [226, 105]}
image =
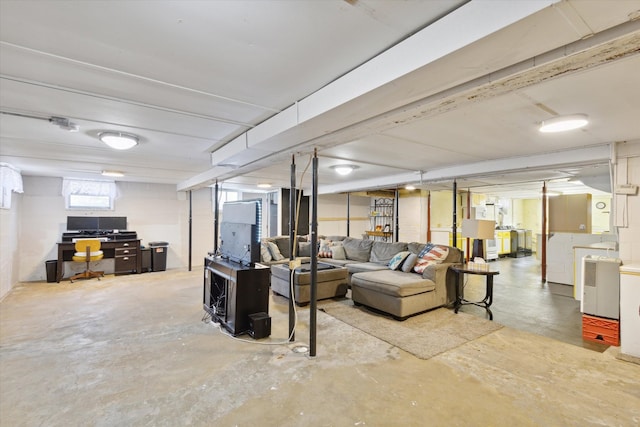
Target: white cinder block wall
{"type": "Point", "coordinates": [9, 230]}
{"type": "Point", "coordinates": [629, 237]}
{"type": "Point", "coordinates": [156, 212]}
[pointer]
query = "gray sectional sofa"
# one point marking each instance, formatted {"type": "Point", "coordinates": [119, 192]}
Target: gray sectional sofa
{"type": "Point", "coordinates": [399, 292]}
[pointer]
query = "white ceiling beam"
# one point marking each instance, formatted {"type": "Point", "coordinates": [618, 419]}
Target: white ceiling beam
{"type": "Point", "coordinates": [586, 155]}
{"type": "Point", "coordinates": [463, 27]}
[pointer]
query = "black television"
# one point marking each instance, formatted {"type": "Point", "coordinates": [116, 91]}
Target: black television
{"type": "Point", "coordinates": [110, 223]}
{"type": "Point", "coordinates": [82, 223]}
{"type": "Point", "coordinates": [240, 231]}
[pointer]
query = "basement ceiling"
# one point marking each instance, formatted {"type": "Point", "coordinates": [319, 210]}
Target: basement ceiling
{"type": "Point", "coordinates": [420, 92]}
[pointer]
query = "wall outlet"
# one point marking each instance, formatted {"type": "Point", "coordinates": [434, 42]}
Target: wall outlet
{"type": "Point", "coordinates": [295, 263]}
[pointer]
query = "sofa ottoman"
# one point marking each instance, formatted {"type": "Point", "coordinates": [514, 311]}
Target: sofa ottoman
{"type": "Point", "coordinates": [403, 294]}
{"type": "Point", "coordinates": [332, 282]}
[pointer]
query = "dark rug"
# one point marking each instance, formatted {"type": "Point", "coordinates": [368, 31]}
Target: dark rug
{"type": "Point", "coordinates": [425, 335]}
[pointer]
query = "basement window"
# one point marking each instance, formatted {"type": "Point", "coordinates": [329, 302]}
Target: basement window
{"type": "Point", "coordinates": [224, 196]}
{"type": "Point", "coordinates": [88, 194]}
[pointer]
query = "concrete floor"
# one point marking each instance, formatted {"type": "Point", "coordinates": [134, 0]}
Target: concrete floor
{"type": "Point", "coordinates": [133, 351]}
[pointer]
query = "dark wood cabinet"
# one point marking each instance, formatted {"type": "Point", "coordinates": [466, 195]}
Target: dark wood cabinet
{"type": "Point", "coordinates": [126, 257]}
{"type": "Point", "coordinates": [232, 292]}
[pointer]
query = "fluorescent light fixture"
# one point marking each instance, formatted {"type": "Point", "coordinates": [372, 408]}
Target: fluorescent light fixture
{"type": "Point", "coordinates": [112, 173]}
{"type": "Point", "coordinates": [564, 123]}
{"type": "Point", "coordinates": [118, 140]}
{"type": "Point", "coordinates": [264, 185]}
{"type": "Point", "coordinates": [344, 169]}
{"type": "Point", "coordinates": [410, 187]}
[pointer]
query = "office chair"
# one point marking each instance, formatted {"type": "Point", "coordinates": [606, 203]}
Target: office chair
{"type": "Point", "coordinates": [87, 250]}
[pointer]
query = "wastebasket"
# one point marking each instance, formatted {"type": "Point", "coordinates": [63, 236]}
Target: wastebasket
{"type": "Point", "coordinates": [52, 270]}
{"type": "Point", "coordinates": [146, 259]}
{"type": "Point", "coordinates": [158, 255]}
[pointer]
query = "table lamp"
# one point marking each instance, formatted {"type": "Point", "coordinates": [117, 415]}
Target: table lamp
{"type": "Point", "coordinates": [479, 230]}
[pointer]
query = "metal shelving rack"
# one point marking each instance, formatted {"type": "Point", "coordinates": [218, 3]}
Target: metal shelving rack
{"type": "Point", "coordinates": [381, 219]}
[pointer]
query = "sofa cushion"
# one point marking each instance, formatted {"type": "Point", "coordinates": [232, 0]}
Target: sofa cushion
{"type": "Point", "coordinates": [283, 245]}
{"type": "Point", "coordinates": [394, 283]}
{"type": "Point", "coordinates": [416, 247]}
{"type": "Point", "coordinates": [265, 254]}
{"type": "Point", "coordinates": [357, 249]}
{"type": "Point", "coordinates": [382, 252]}
{"type": "Point", "coordinates": [324, 248]}
{"type": "Point", "coordinates": [431, 255]}
{"type": "Point", "coordinates": [304, 249]}
{"type": "Point", "coordinates": [359, 267]}
{"type": "Point", "coordinates": [398, 259]}
{"type": "Point", "coordinates": [275, 252]}
{"type": "Point", "coordinates": [337, 252]}
{"type": "Point", "coordinates": [409, 263]}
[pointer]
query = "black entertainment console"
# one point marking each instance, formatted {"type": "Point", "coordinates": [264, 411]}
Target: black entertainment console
{"type": "Point", "coordinates": [237, 296]}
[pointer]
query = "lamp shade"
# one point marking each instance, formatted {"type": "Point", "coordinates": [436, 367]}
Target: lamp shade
{"type": "Point", "coordinates": [478, 228]}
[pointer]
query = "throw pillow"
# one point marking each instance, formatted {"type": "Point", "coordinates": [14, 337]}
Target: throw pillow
{"type": "Point", "coordinates": [397, 259]}
{"type": "Point", "coordinates": [304, 249]}
{"type": "Point", "coordinates": [265, 254]}
{"type": "Point", "coordinates": [324, 250]}
{"type": "Point", "coordinates": [409, 263]}
{"type": "Point", "coordinates": [275, 252]}
{"type": "Point", "coordinates": [436, 255]}
{"type": "Point", "coordinates": [337, 252]}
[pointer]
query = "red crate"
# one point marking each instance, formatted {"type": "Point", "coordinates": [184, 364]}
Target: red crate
{"type": "Point", "coordinates": [601, 330]}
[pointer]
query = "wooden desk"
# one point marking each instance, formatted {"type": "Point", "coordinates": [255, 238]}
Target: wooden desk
{"type": "Point", "coordinates": [127, 254]}
{"type": "Point", "coordinates": [460, 271]}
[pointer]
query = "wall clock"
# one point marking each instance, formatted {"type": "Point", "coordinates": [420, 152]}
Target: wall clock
{"type": "Point", "coordinates": [601, 205]}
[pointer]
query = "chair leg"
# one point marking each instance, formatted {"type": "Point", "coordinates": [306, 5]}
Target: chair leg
{"type": "Point", "coordinates": [87, 274]}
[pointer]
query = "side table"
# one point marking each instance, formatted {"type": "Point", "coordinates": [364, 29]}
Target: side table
{"type": "Point", "coordinates": [460, 271]}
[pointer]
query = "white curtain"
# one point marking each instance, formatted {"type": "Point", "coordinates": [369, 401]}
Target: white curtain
{"type": "Point", "coordinates": [88, 187]}
{"type": "Point", "coordinates": [10, 181]}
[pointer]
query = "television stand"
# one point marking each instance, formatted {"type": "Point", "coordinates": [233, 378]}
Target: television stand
{"type": "Point", "coordinates": [232, 292]}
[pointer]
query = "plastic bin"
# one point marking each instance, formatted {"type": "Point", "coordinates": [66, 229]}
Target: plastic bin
{"type": "Point", "coordinates": [158, 255]}
{"type": "Point", "coordinates": [52, 270]}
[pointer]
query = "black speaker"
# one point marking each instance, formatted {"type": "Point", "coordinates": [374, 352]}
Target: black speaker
{"type": "Point", "coordinates": [259, 325]}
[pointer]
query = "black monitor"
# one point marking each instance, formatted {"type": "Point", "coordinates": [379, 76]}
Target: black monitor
{"type": "Point", "coordinates": [110, 223]}
{"type": "Point", "coordinates": [82, 223]}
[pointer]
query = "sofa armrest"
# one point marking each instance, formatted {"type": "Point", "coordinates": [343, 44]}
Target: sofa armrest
{"type": "Point", "coordinates": [444, 279]}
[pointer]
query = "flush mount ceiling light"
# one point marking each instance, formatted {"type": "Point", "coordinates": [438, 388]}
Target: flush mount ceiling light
{"type": "Point", "coordinates": [410, 187]}
{"type": "Point", "coordinates": [119, 140]}
{"type": "Point", "coordinates": [344, 169]}
{"type": "Point", "coordinates": [264, 185]}
{"type": "Point", "coordinates": [564, 123]}
{"type": "Point", "coordinates": [115, 174]}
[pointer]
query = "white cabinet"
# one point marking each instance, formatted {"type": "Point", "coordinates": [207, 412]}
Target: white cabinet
{"type": "Point", "coordinates": [630, 310]}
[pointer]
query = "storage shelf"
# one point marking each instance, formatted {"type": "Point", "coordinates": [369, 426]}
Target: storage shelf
{"type": "Point", "coordinates": [379, 233]}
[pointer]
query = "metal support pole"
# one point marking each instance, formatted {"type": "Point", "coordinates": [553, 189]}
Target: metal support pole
{"type": "Point", "coordinates": [468, 248]}
{"type": "Point", "coordinates": [292, 234]}
{"type": "Point", "coordinates": [428, 216]}
{"type": "Point", "coordinates": [190, 227]}
{"type": "Point", "coordinates": [397, 205]}
{"type": "Point", "coordinates": [348, 214]}
{"type": "Point", "coordinates": [543, 244]}
{"type": "Point", "coordinates": [454, 243]}
{"type": "Point", "coordinates": [314, 257]}
{"type": "Point", "coordinates": [216, 217]}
